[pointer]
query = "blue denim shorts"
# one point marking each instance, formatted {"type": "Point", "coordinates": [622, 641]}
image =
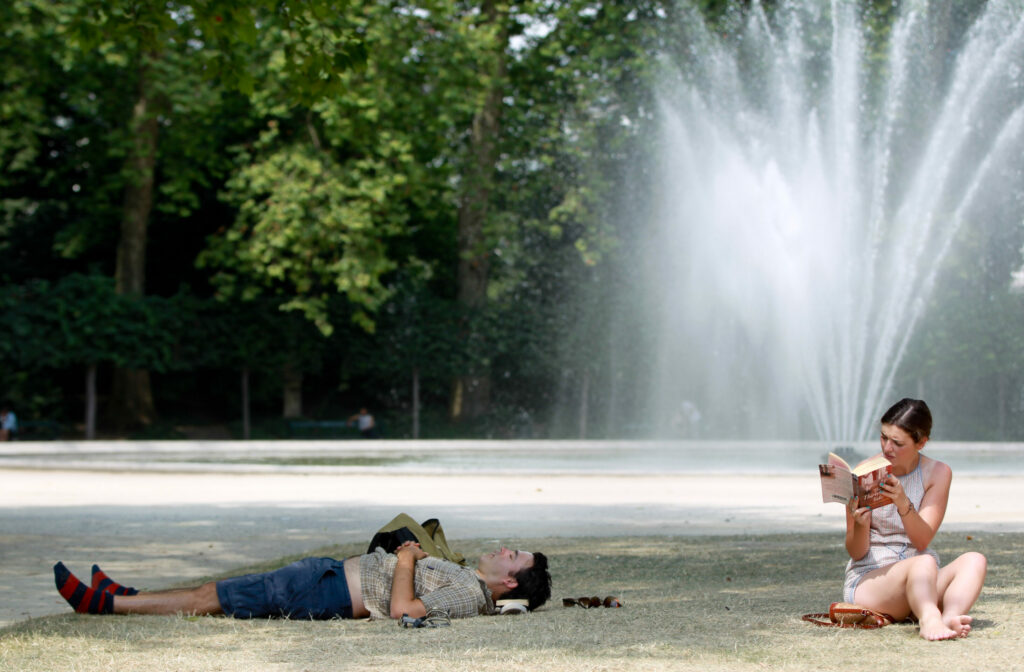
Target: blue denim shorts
{"type": "Point", "coordinates": [312, 588]}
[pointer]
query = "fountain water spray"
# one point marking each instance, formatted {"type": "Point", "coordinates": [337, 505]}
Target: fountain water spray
{"type": "Point", "coordinates": [812, 189]}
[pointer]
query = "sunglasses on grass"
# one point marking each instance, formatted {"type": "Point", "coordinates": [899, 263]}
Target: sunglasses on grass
{"type": "Point", "coordinates": [592, 602]}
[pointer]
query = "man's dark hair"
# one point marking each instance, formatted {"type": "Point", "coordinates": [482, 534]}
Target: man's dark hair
{"type": "Point", "coordinates": [912, 416]}
{"type": "Point", "coordinates": [534, 583]}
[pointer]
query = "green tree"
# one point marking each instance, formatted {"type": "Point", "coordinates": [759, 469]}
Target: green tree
{"type": "Point", "coordinates": [415, 342]}
{"type": "Point", "coordinates": [81, 321]}
{"type": "Point", "coordinates": [168, 61]}
{"type": "Point", "coordinates": [577, 120]}
{"type": "Point", "coordinates": [472, 390]}
{"type": "Point", "coordinates": [966, 356]}
{"type": "Point", "coordinates": [337, 194]}
{"type": "Point", "coordinates": [251, 338]}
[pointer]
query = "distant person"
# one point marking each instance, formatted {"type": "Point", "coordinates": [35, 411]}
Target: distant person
{"type": "Point", "coordinates": [379, 585]}
{"type": "Point", "coordinates": [891, 569]}
{"type": "Point", "coordinates": [8, 423]}
{"type": "Point", "coordinates": [365, 422]}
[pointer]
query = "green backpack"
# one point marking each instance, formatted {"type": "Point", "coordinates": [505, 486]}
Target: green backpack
{"type": "Point", "coordinates": [429, 534]}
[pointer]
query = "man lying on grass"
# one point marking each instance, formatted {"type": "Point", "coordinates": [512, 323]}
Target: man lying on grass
{"type": "Point", "coordinates": [378, 585]}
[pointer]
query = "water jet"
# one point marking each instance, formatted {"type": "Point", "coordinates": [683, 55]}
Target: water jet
{"type": "Point", "coordinates": [810, 191]}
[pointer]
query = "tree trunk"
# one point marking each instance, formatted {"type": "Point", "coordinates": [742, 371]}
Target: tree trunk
{"type": "Point", "coordinates": [471, 391]}
{"type": "Point", "coordinates": [1002, 403]}
{"type": "Point", "coordinates": [246, 426]}
{"type": "Point", "coordinates": [292, 392]}
{"type": "Point", "coordinates": [561, 415]}
{"type": "Point", "coordinates": [611, 416]}
{"type": "Point", "coordinates": [138, 197]}
{"type": "Point", "coordinates": [471, 396]}
{"type": "Point", "coordinates": [584, 401]}
{"type": "Point", "coordinates": [90, 402]}
{"type": "Point", "coordinates": [132, 397]}
{"type": "Point", "coordinates": [415, 402]}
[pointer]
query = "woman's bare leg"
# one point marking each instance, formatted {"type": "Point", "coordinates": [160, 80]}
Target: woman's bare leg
{"type": "Point", "coordinates": [200, 601]}
{"type": "Point", "coordinates": [907, 586]}
{"type": "Point", "coordinates": [959, 585]}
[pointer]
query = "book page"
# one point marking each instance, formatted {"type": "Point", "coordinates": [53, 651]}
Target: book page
{"type": "Point", "coordinates": [837, 483]}
{"type": "Point", "coordinates": [838, 461]}
{"type": "Point", "coordinates": [870, 464]}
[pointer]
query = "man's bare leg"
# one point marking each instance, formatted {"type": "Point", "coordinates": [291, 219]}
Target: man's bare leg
{"type": "Point", "coordinates": [86, 600]}
{"type": "Point", "coordinates": [201, 601]}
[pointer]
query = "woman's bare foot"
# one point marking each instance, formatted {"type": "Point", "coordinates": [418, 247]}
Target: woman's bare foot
{"type": "Point", "coordinates": [959, 623]}
{"type": "Point", "coordinates": [936, 629]}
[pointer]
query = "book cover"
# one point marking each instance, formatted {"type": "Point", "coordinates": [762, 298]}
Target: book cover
{"type": "Point", "coordinates": [841, 483]}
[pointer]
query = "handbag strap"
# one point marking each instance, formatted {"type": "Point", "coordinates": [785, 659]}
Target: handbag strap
{"type": "Point", "coordinates": [817, 620]}
{"type": "Point", "coordinates": [873, 620]}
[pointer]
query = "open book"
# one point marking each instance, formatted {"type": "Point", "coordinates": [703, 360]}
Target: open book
{"type": "Point", "coordinates": [840, 483]}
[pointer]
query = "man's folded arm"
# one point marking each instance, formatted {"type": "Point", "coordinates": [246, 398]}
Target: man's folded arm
{"type": "Point", "coordinates": [403, 596]}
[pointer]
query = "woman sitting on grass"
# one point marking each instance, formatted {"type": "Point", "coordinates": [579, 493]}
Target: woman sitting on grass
{"type": "Point", "coordinates": [891, 568]}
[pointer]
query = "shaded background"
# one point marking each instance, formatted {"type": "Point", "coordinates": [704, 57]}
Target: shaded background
{"type": "Point", "coordinates": [217, 217]}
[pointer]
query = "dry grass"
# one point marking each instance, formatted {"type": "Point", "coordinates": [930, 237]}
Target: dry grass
{"type": "Point", "coordinates": [707, 603]}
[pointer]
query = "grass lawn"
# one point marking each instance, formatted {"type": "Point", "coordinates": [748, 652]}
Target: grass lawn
{"type": "Point", "coordinates": [691, 603]}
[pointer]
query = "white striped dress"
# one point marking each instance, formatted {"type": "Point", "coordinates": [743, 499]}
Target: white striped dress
{"type": "Point", "coordinates": [889, 540]}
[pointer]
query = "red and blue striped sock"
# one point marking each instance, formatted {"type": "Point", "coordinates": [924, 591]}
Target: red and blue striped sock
{"type": "Point", "coordinates": [100, 581]}
{"type": "Point", "coordinates": [82, 599]}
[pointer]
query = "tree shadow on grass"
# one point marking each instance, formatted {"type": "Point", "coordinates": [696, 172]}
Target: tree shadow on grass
{"type": "Point", "coordinates": [690, 603]}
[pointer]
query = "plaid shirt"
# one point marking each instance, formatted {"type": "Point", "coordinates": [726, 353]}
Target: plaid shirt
{"type": "Point", "coordinates": [439, 584]}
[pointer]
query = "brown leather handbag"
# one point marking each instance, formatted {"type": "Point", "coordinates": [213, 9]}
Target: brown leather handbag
{"type": "Point", "coordinates": [849, 615]}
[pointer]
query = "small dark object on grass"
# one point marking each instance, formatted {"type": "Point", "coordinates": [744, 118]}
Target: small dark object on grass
{"type": "Point", "coordinates": [610, 602]}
